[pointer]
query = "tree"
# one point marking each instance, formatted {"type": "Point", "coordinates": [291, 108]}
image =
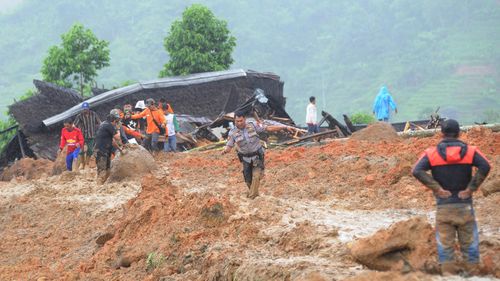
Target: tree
{"type": "Point", "coordinates": [198, 43]}
{"type": "Point", "coordinates": [77, 60]}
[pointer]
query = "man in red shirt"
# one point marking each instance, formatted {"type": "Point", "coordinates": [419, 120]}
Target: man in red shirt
{"type": "Point", "coordinates": [71, 137]}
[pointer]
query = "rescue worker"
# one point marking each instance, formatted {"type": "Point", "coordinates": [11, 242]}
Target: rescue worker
{"type": "Point", "coordinates": [131, 127]}
{"type": "Point", "coordinates": [156, 124]}
{"type": "Point", "coordinates": [383, 104]}
{"type": "Point", "coordinates": [451, 163]}
{"type": "Point", "coordinates": [87, 121]}
{"type": "Point", "coordinates": [72, 138]}
{"type": "Point", "coordinates": [249, 148]}
{"type": "Point", "coordinates": [107, 139]}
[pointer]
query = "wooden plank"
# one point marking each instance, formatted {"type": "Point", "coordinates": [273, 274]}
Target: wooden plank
{"type": "Point", "coordinates": [308, 137]}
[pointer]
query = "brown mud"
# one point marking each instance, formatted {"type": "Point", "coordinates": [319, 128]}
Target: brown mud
{"type": "Point", "coordinates": [190, 219]}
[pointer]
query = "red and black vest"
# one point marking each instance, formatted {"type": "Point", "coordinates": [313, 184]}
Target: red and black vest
{"type": "Point", "coordinates": [451, 164]}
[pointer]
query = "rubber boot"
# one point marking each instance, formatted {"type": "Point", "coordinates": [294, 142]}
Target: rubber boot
{"type": "Point", "coordinates": [254, 188]}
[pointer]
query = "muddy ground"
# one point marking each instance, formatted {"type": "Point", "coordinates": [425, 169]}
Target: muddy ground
{"type": "Point", "coordinates": [191, 220]}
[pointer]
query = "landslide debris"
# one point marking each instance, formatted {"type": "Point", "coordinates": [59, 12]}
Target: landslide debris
{"type": "Point", "coordinates": [28, 169]}
{"type": "Point", "coordinates": [379, 131]}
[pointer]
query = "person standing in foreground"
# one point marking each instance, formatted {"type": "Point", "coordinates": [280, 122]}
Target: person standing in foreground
{"type": "Point", "coordinates": [87, 121]}
{"type": "Point", "coordinates": [107, 138]}
{"type": "Point", "coordinates": [383, 104]}
{"type": "Point", "coordinates": [250, 151]}
{"type": "Point", "coordinates": [72, 138]}
{"type": "Point", "coordinates": [312, 117]}
{"type": "Point", "coordinates": [451, 163]}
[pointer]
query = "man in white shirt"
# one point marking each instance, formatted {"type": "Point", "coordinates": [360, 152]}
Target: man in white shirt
{"type": "Point", "coordinates": [173, 126]}
{"type": "Point", "coordinates": [311, 117]}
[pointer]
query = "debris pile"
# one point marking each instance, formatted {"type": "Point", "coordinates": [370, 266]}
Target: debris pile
{"type": "Point", "coordinates": [28, 169]}
{"type": "Point", "coordinates": [379, 131]}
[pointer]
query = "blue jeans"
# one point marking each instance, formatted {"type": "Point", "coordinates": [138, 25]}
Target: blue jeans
{"type": "Point", "coordinates": [457, 221]}
{"type": "Point", "coordinates": [70, 157]}
{"type": "Point", "coordinates": [170, 144]}
{"type": "Point", "coordinates": [312, 129]}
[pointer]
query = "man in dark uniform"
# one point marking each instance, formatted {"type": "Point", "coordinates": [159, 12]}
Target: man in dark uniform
{"type": "Point", "coordinates": [250, 151]}
{"type": "Point", "coordinates": [107, 138]}
{"type": "Point", "coordinates": [451, 163]}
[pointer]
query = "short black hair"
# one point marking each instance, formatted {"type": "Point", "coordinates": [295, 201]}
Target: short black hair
{"type": "Point", "coordinates": [68, 121]}
{"type": "Point", "coordinates": [118, 106]}
{"type": "Point", "coordinates": [239, 113]}
{"type": "Point", "coordinates": [312, 98]}
{"type": "Point", "coordinates": [162, 100]}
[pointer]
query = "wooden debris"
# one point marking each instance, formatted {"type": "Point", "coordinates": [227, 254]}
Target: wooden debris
{"type": "Point", "coordinates": [295, 141]}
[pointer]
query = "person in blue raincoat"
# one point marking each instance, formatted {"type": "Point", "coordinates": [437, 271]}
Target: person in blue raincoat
{"type": "Point", "coordinates": [383, 104]}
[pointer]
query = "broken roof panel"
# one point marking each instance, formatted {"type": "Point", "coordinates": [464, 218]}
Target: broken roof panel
{"type": "Point", "coordinates": [169, 82]}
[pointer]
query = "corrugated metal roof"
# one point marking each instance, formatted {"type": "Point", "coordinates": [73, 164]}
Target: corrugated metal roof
{"type": "Point", "coordinates": [177, 81]}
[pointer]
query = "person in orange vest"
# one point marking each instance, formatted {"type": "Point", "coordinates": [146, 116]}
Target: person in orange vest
{"type": "Point", "coordinates": [72, 138]}
{"type": "Point", "coordinates": [451, 163]}
{"type": "Point", "coordinates": [156, 124]}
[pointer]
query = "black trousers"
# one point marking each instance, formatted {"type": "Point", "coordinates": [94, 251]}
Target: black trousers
{"type": "Point", "coordinates": [248, 169]}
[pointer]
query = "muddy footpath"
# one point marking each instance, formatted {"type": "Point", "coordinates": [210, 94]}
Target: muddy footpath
{"type": "Point", "coordinates": [337, 210]}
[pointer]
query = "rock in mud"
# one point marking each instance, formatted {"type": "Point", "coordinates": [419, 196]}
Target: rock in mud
{"type": "Point", "coordinates": [103, 238]}
{"type": "Point", "coordinates": [379, 131]}
{"type": "Point", "coordinates": [133, 164]}
{"type": "Point", "coordinates": [406, 245]}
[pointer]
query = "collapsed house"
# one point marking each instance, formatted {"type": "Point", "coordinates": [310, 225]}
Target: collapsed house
{"type": "Point", "coordinates": [203, 97]}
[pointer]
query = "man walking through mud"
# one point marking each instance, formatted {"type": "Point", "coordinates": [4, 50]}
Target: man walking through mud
{"type": "Point", "coordinates": [88, 121]}
{"type": "Point", "coordinates": [72, 138]}
{"type": "Point", "coordinates": [250, 151]}
{"type": "Point", "coordinates": [451, 163]}
{"type": "Point", "coordinates": [107, 138]}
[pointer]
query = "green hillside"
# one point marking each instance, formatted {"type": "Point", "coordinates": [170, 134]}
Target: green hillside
{"type": "Point", "coordinates": [430, 53]}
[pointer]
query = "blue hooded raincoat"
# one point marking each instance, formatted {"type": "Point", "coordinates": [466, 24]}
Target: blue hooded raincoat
{"type": "Point", "coordinates": [382, 103]}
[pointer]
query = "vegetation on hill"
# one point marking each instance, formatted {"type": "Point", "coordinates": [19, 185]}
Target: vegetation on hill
{"type": "Point", "coordinates": [430, 53]}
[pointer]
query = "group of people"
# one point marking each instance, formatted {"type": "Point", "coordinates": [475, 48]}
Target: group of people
{"type": "Point", "coordinates": [451, 161]}
{"type": "Point", "coordinates": [148, 123]}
